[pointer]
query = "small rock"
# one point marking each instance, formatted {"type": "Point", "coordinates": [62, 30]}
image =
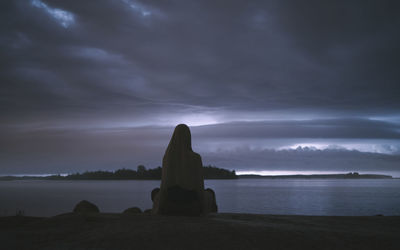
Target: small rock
{"type": "Point", "coordinates": [154, 192]}
{"type": "Point", "coordinates": [86, 207]}
{"type": "Point", "coordinates": [210, 201]}
{"type": "Point", "coordinates": [132, 210]}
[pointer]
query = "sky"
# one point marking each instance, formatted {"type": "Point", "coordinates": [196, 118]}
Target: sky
{"type": "Point", "coordinates": [271, 87]}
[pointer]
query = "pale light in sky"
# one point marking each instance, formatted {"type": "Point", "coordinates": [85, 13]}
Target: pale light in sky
{"type": "Point", "coordinates": [137, 8]}
{"type": "Point", "coordinates": [65, 18]}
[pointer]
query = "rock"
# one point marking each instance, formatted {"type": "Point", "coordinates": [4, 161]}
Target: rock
{"type": "Point", "coordinates": [132, 210]}
{"type": "Point", "coordinates": [210, 203]}
{"type": "Point", "coordinates": [86, 207]}
{"type": "Point", "coordinates": [147, 211]}
{"type": "Point", "coordinates": [154, 192]}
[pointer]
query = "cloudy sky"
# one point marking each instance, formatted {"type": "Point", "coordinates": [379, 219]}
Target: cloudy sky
{"type": "Point", "coordinates": [270, 86]}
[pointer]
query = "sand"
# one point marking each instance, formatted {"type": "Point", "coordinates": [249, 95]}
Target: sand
{"type": "Point", "coordinates": [216, 231]}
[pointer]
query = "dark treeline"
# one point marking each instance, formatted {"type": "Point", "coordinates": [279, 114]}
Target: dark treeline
{"type": "Point", "coordinates": [121, 174]}
{"type": "Point", "coordinates": [211, 172]}
{"type": "Point", "coordinates": [141, 173]}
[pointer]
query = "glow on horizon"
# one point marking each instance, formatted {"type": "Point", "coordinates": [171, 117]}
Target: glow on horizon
{"type": "Point", "coordinates": [287, 172]}
{"type": "Point", "coordinates": [33, 175]}
{"type": "Point", "coordinates": [394, 174]}
{"type": "Point", "coordinates": [197, 120]}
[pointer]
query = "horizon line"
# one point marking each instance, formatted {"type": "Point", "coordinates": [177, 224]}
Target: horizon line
{"type": "Point", "coordinates": [242, 172]}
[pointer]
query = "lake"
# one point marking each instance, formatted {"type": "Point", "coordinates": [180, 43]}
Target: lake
{"type": "Point", "coordinates": [261, 196]}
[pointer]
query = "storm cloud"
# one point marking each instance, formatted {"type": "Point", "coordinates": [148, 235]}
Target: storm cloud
{"type": "Point", "coordinates": [100, 84]}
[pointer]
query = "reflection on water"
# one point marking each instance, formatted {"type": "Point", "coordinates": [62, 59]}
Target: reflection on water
{"type": "Point", "coordinates": [310, 197]}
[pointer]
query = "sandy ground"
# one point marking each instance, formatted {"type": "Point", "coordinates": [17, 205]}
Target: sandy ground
{"type": "Point", "coordinates": [218, 231]}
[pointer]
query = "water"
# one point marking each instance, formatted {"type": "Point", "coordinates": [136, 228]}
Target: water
{"type": "Point", "coordinates": [263, 196]}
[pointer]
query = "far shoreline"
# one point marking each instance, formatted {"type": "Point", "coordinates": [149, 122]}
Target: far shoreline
{"type": "Point", "coordinates": [349, 176]}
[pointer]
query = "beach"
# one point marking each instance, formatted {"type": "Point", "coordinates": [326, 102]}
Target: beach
{"type": "Point", "coordinates": [214, 231]}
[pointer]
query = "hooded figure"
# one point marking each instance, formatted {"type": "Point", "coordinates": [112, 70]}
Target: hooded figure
{"type": "Point", "coordinates": [182, 184]}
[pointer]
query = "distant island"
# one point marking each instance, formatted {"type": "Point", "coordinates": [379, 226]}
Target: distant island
{"type": "Point", "coordinates": [209, 172]}
{"type": "Point", "coordinates": [353, 175]}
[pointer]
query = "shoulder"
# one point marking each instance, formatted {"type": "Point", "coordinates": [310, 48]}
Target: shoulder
{"type": "Point", "coordinates": [196, 156]}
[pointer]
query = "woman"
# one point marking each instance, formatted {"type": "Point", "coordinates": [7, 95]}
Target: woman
{"type": "Point", "coordinates": [182, 184]}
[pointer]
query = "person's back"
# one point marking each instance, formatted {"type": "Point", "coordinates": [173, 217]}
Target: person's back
{"type": "Point", "coordinates": [182, 183]}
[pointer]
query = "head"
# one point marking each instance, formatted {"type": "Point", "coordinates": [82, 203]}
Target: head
{"type": "Point", "coordinates": [181, 138]}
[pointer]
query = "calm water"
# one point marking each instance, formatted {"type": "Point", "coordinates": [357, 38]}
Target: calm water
{"type": "Point", "coordinates": [308, 197]}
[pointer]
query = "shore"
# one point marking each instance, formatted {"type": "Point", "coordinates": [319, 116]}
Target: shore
{"type": "Point", "coordinates": [216, 231]}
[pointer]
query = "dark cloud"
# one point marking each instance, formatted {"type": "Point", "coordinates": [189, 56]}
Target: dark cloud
{"type": "Point", "coordinates": [66, 151]}
{"type": "Point", "coordinates": [61, 150]}
{"type": "Point", "coordinates": [100, 64]}
{"type": "Point", "coordinates": [259, 56]}
{"type": "Point", "coordinates": [334, 128]}
{"type": "Point", "coordinates": [240, 146]}
{"type": "Point", "coordinates": [305, 159]}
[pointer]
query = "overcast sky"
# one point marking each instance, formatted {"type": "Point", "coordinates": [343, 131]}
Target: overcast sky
{"type": "Point", "coordinates": [273, 86]}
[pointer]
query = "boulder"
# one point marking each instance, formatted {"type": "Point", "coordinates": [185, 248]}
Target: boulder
{"type": "Point", "coordinates": [86, 207]}
{"type": "Point", "coordinates": [210, 203]}
{"type": "Point", "coordinates": [154, 192]}
{"type": "Point", "coordinates": [132, 210]}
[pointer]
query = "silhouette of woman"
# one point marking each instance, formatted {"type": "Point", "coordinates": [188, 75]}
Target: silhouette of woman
{"type": "Point", "coordinates": [182, 183]}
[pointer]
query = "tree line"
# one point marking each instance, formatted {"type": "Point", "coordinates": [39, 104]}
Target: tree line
{"type": "Point", "coordinates": [141, 173]}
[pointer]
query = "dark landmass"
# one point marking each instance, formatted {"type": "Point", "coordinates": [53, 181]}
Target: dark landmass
{"type": "Point", "coordinates": [354, 175]}
{"type": "Point", "coordinates": [141, 173]}
{"type": "Point", "coordinates": [216, 231]}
